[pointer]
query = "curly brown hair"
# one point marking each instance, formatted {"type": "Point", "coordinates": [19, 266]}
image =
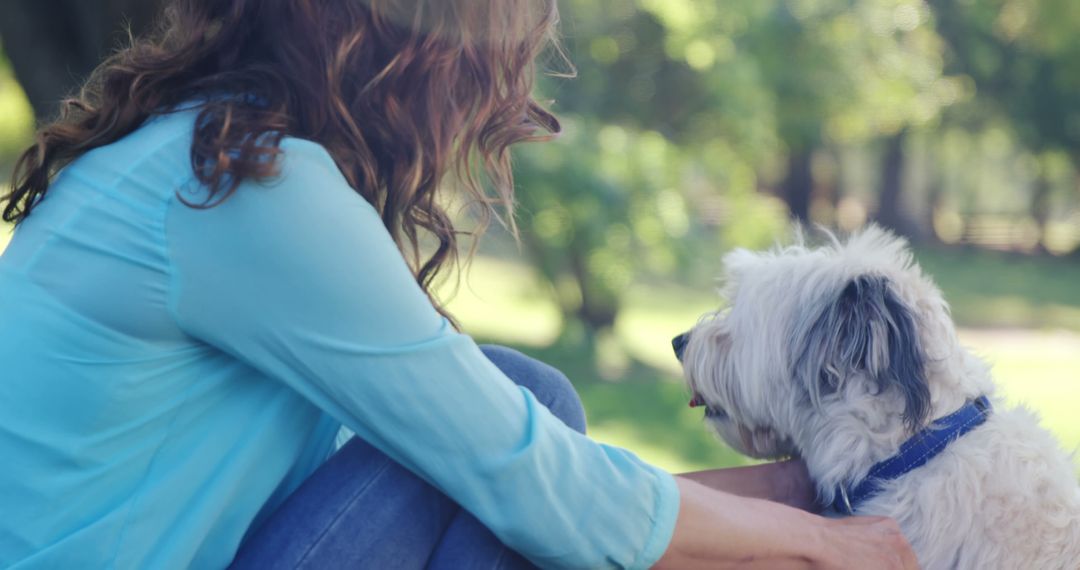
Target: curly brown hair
{"type": "Point", "coordinates": [402, 93]}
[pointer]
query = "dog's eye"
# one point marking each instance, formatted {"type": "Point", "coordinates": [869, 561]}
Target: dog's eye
{"type": "Point", "coordinates": [715, 413]}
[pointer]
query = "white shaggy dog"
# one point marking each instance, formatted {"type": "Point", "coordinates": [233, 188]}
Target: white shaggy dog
{"type": "Point", "coordinates": [846, 356]}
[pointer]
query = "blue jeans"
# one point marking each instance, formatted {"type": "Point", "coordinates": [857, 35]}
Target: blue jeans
{"type": "Point", "coordinates": [362, 510]}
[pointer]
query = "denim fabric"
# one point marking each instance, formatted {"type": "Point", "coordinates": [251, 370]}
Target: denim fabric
{"type": "Point", "coordinates": [363, 510]}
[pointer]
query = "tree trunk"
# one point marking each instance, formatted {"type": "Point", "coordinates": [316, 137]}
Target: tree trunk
{"type": "Point", "coordinates": [55, 45]}
{"type": "Point", "coordinates": [798, 185]}
{"type": "Point", "coordinates": [598, 307]}
{"type": "Point", "coordinates": [891, 212]}
{"type": "Point", "coordinates": [1040, 209]}
{"type": "Point", "coordinates": [935, 192]}
{"type": "Point", "coordinates": [934, 198]}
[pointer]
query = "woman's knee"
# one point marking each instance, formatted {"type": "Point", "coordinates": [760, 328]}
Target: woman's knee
{"type": "Point", "coordinates": [550, 386]}
{"type": "Point", "coordinates": [358, 509]}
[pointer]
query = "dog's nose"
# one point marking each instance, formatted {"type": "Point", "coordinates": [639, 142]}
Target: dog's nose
{"type": "Point", "coordinates": [679, 344]}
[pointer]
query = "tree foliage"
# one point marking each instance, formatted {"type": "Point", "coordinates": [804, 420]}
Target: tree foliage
{"type": "Point", "coordinates": [736, 97]}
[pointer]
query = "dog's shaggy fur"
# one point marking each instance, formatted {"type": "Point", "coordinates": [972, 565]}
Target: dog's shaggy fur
{"type": "Point", "coordinates": [838, 355]}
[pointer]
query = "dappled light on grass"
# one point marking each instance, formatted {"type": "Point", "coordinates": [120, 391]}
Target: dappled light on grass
{"type": "Point", "coordinates": [5, 231]}
{"type": "Point", "coordinates": [990, 289]}
{"type": "Point", "coordinates": [1013, 311]}
{"type": "Point", "coordinates": [16, 116]}
{"type": "Point", "coordinates": [503, 300]}
{"type": "Point", "coordinates": [1039, 370]}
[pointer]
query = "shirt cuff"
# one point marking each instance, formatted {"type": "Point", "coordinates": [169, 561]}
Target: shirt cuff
{"type": "Point", "coordinates": [666, 512]}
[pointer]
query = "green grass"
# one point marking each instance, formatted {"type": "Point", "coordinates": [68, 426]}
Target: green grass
{"type": "Point", "coordinates": [991, 289]}
{"type": "Point", "coordinates": [633, 393]}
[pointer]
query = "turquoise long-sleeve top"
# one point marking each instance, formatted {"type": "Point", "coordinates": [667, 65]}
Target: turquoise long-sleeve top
{"type": "Point", "coordinates": [168, 375]}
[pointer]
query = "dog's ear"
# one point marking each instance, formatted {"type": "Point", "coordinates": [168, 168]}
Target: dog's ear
{"type": "Point", "coordinates": [868, 331]}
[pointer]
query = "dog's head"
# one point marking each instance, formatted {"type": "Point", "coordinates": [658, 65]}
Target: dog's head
{"type": "Point", "coordinates": [812, 337]}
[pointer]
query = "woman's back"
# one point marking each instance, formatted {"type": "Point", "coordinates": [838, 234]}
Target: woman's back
{"type": "Point", "coordinates": [145, 446]}
{"type": "Point", "coordinates": [173, 373]}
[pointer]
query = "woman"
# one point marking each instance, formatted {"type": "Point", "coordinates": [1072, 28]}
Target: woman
{"type": "Point", "coordinates": [207, 281]}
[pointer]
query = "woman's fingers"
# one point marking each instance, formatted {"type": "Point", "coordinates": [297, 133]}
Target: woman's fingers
{"type": "Point", "coordinates": [870, 542]}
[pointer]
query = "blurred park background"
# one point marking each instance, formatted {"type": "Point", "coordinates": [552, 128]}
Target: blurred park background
{"type": "Point", "coordinates": [696, 126]}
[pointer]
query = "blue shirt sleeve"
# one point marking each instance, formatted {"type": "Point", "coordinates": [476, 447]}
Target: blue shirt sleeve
{"type": "Point", "coordinates": [298, 278]}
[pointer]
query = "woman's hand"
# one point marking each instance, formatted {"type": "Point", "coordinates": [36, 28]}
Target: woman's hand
{"type": "Point", "coordinates": [720, 530]}
{"type": "Point", "coordinates": [865, 542]}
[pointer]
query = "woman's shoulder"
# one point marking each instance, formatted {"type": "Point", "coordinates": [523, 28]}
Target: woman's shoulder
{"type": "Point", "coordinates": [301, 156]}
{"type": "Point", "coordinates": [159, 148]}
{"type": "Point", "coordinates": [162, 147]}
{"type": "Point", "coordinates": [305, 178]}
{"type": "Point", "coordinates": [165, 141]}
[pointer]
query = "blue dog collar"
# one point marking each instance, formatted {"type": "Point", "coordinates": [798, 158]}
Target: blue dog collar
{"type": "Point", "coordinates": [914, 453]}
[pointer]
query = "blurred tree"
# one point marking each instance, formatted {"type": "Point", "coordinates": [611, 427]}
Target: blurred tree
{"type": "Point", "coordinates": [891, 211]}
{"type": "Point", "coordinates": [53, 46]}
{"type": "Point", "coordinates": [599, 206]}
{"type": "Point", "coordinates": [828, 73]}
{"type": "Point", "coordinates": [740, 95]}
{"type": "Point", "coordinates": [1024, 59]}
{"type": "Point", "coordinates": [623, 192]}
{"type": "Point", "coordinates": [845, 72]}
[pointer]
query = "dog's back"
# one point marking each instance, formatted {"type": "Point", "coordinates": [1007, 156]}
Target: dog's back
{"type": "Point", "coordinates": [1004, 496]}
{"type": "Point", "coordinates": [844, 353]}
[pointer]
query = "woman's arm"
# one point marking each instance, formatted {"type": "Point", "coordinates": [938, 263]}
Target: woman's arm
{"type": "Point", "coordinates": [298, 278]}
{"type": "Point", "coordinates": [718, 530]}
{"type": "Point", "coordinates": [784, 482]}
